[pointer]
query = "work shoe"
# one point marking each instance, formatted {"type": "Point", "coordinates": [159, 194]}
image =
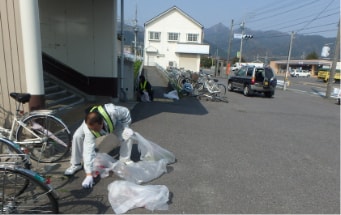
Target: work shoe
{"type": "Point", "coordinates": [73, 169]}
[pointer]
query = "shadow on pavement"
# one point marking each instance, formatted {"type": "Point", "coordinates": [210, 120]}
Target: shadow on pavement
{"type": "Point", "coordinates": [91, 206]}
{"type": "Point", "coordinates": [185, 105]}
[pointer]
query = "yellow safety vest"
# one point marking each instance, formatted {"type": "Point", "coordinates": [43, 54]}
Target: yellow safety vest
{"type": "Point", "coordinates": [106, 118]}
{"type": "Point", "coordinates": [143, 85]}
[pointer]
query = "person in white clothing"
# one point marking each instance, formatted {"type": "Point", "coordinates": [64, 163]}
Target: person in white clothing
{"type": "Point", "coordinates": [99, 120]}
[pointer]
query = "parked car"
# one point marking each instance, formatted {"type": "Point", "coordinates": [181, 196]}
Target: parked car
{"type": "Point", "coordinates": [324, 75]}
{"type": "Point", "coordinates": [250, 79]}
{"type": "Point", "coordinates": [300, 73]}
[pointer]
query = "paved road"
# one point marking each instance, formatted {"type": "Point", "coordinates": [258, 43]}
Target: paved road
{"type": "Point", "coordinates": [251, 155]}
{"type": "Point", "coordinates": [310, 85]}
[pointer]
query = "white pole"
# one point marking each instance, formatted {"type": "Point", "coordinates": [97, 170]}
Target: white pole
{"type": "Point", "coordinates": [289, 56]}
{"type": "Point", "coordinates": [335, 60]}
{"type": "Point", "coordinates": [29, 14]}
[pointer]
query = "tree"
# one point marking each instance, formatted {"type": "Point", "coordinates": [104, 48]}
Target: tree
{"type": "Point", "coordinates": [236, 59]}
{"type": "Point", "coordinates": [312, 56]}
{"type": "Point", "coordinates": [206, 62]}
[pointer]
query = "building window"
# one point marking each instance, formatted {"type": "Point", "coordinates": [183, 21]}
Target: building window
{"type": "Point", "coordinates": [154, 35]}
{"type": "Point", "coordinates": [192, 37]}
{"type": "Point", "coordinates": [173, 36]}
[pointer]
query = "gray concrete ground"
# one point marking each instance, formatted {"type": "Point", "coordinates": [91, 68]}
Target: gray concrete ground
{"type": "Point", "coordinates": [251, 155]}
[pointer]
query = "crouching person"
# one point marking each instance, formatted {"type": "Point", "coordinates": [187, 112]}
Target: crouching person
{"type": "Point", "coordinates": [145, 91]}
{"type": "Point", "coordinates": [99, 120]}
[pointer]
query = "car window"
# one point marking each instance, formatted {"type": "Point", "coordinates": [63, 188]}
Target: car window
{"type": "Point", "coordinates": [269, 73]}
{"type": "Point", "coordinates": [249, 72]}
{"type": "Point", "coordinates": [260, 75]}
{"type": "Point", "coordinates": [241, 72]}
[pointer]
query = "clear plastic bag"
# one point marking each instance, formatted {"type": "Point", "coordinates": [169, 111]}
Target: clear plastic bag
{"type": "Point", "coordinates": [151, 151]}
{"type": "Point", "coordinates": [139, 172]}
{"type": "Point", "coordinates": [125, 195]}
{"type": "Point", "coordinates": [103, 164]}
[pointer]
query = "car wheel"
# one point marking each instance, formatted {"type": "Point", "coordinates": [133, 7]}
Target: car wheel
{"type": "Point", "coordinates": [269, 94]}
{"type": "Point", "coordinates": [229, 87]}
{"type": "Point", "coordinates": [247, 90]}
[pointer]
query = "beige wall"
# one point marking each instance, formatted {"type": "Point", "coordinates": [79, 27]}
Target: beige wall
{"type": "Point", "coordinates": [12, 74]}
{"type": "Point", "coordinates": [80, 34]}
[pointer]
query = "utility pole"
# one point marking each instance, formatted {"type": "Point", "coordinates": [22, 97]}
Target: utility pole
{"type": "Point", "coordinates": [123, 96]}
{"type": "Point", "coordinates": [289, 56]}
{"type": "Point", "coordinates": [335, 60]}
{"type": "Point", "coordinates": [135, 31]}
{"type": "Point", "coordinates": [229, 43]}
{"type": "Point", "coordinates": [216, 63]}
{"type": "Point", "coordinates": [241, 42]}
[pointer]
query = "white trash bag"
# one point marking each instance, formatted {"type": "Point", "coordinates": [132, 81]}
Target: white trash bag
{"type": "Point", "coordinates": [172, 95]}
{"type": "Point", "coordinates": [145, 97]}
{"type": "Point", "coordinates": [125, 195]}
{"type": "Point", "coordinates": [151, 151]}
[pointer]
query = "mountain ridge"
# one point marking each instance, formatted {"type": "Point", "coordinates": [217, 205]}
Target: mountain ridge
{"type": "Point", "coordinates": [264, 44]}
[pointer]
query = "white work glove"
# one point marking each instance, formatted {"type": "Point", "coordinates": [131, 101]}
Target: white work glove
{"type": "Point", "coordinates": [127, 133]}
{"type": "Point", "coordinates": [88, 182]}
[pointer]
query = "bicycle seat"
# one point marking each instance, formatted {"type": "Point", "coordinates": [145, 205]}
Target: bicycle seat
{"type": "Point", "coordinates": [21, 97]}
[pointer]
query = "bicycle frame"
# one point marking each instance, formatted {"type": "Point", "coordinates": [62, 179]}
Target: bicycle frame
{"type": "Point", "coordinates": [19, 122]}
{"type": "Point", "coordinates": [210, 87]}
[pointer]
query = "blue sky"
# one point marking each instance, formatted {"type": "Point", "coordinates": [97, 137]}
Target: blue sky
{"type": "Point", "coordinates": [309, 17]}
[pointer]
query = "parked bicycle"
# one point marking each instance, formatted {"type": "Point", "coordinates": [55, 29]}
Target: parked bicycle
{"type": "Point", "coordinates": [39, 133]}
{"type": "Point", "coordinates": [204, 86]}
{"type": "Point", "coordinates": [23, 191]}
{"type": "Point", "coordinates": [178, 76]}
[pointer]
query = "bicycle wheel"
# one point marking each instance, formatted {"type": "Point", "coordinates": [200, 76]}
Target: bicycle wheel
{"type": "Point", "coordinates": [10, 153]}
{"type": "Point", "coordinates": [222, 99]}
{"type": "Point", "coordinates": [35, 197]}
{"type": "Point", "coordinates": [222, 89]}
{"type": "Point", "coordinates": [198, 89]}
{"type": "Point", "coordinates": [54, 135]}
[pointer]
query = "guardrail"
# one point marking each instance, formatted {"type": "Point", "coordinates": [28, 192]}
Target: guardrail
{"type": "Point", "coordinates": [280, 83]}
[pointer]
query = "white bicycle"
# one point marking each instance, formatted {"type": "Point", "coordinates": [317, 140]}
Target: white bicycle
{"type": "Point", "coordinates": [39, 133]}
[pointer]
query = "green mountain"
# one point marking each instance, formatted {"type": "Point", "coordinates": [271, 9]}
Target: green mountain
{"type": "Point", "coordinates": [272, 45]}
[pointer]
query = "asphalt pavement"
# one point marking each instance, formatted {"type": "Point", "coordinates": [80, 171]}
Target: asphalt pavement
{"type": "Point", "coordinates": [251, 155]}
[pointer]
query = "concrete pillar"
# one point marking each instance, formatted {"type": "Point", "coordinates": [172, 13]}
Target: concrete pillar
{"type": "Point", "coordinates": [29, 16]}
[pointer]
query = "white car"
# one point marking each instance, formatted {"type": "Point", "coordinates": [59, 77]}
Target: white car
{"type": "Point", "coordinates": [300, 73]}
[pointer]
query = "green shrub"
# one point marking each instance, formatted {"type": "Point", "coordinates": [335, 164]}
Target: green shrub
{"type": "Point", "coordinates": [137, 65]}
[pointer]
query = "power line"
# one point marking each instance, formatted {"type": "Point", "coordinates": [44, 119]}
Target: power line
{"type": "Point", "coordinates": [300, 18]}
{"type": "Point", "coordinates": [315, 17]}
{"type": "Point", "coordinates": [300, 23]}
{"type": "Point", "coordinates": [284, 12]}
